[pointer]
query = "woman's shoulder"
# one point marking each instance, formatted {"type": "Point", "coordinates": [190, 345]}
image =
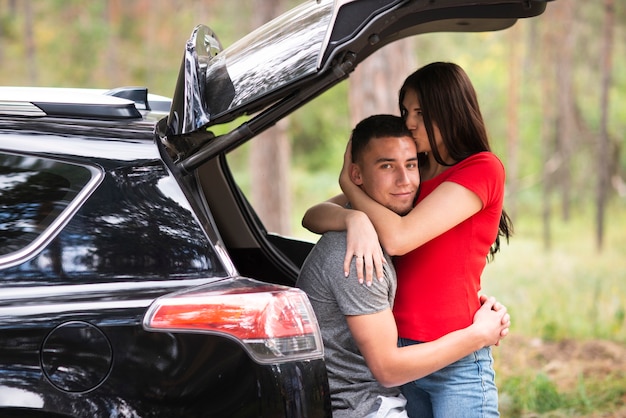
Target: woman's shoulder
{"type": "Point", "coordinates": [482, 173]}
{"type": "Point", "coordinates": [478, 168]}
{"type": "Point", "coordinates": [486, 160]}
{"type": "Point", "coordinates": [480, 165]}
{"type": "Point", "coordinates": [484, 156]}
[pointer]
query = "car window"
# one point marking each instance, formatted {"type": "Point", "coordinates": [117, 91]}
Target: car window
{"type": "Point", "coordinates": [34, 192]}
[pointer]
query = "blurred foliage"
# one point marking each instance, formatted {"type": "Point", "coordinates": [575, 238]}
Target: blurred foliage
{"type": "Point", "coordinates": [106, 44]}
{"type": "Point", "coordinates": [570, 290]}
{"type": "Point", "coordinates": [111, 43]}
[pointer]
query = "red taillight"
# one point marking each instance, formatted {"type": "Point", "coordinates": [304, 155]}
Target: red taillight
{"type": "Point", "coordinates": [274, 323]}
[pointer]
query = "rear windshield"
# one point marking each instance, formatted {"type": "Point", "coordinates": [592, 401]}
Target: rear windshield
{"type": "Point", "coordinates": [34, 192]}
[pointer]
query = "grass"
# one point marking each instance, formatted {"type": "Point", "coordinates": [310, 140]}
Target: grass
{"type": "Point", "coordinates": [568, 296]}
{"type": "Point", "coordinates": [538, 396]}
{"type": "Point", "coordinates": [570, 290]}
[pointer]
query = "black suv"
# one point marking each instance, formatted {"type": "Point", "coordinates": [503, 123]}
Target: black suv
{"type": "Point", "coordinates": [126, 245]}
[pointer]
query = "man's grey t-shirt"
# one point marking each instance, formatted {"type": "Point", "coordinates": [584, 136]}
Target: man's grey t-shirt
{"type": "Point", "coordinates": [353, 388]}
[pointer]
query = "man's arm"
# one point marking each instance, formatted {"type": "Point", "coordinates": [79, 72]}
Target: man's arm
{"type": "Point", "coordinates": [376, 336]}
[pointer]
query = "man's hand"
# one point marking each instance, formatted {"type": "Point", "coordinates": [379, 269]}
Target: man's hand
{"type": "Point", "coordinates": [492, 319]}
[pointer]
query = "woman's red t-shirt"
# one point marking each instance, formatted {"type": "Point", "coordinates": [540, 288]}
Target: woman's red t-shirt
{"type": "Point", "coordinates": [438, 282]}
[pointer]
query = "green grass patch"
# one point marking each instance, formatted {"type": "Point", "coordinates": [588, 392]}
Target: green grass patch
{"type": "Point", "coordinates": [571, 290]}
{"type": "Point", "coordinates": [538, 395]}
{"type": "Point", "coordinates": [565, 296]}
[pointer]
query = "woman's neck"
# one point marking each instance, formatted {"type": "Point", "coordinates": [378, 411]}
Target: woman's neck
{"type": "Point", "coordinates": [431, 168]}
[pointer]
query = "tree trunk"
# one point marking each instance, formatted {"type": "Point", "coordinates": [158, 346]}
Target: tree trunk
{"type": "Point", "coordinates": [270, 155]}
{"type": "Point", "coordinates": [515, 63]}
{"type": "Point", "coordinates": [603, 149]}
{"type": "Point", "coordinates": [112, 61]}
{"type": "Point", "coordinates": [551, 160]}
{"type": "Point", "coordinates": [375, 83]}
{"type": "Point", "coordinates": [30, 43]}
{"type": "Point", "coordinates": [566, 37]}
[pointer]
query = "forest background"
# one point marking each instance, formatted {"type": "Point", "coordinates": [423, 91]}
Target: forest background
{"type": "Point", "coordinates": [553, 93]}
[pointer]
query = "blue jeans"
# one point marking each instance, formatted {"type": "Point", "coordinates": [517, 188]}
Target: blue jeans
{"type": "Point", "coordinates": [464, 389]}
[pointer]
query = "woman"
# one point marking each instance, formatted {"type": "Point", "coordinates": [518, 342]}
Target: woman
{"type": "Point", "coordinates": [442, 245]}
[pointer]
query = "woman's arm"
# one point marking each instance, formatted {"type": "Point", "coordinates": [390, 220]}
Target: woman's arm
{"type": "Point", "coordinates": [331, 215]}
{"type": "Point", "coordinates": [362, 241]}
{"type": "Point", "coordinates": [447, 206]}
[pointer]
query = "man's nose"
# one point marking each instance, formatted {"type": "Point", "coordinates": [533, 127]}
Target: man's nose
{"type": "Point", "coordinates": [403, 176]}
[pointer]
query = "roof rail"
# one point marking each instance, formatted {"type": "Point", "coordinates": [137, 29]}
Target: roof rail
{"type": "Point", "coordinates": [116, 104]}
{"type": "Point", "coordinates": [139, 95]}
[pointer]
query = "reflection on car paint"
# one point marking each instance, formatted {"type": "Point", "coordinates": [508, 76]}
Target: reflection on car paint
{"type": "Point", "coordinates": [162, 237]}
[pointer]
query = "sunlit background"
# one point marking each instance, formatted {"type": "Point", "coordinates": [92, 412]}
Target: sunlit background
{"type": "Point", "coordinates": [553, 93]}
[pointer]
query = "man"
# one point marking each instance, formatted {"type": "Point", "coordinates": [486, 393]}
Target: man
{"type": "Point", "coordinates": [358, 329]}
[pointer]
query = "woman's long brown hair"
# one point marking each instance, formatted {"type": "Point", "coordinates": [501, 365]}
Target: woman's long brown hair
{"type": "Point", "coordinates": [447, 98]}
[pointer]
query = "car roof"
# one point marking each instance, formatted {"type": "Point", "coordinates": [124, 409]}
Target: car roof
{"type": "Point", "coordinates": [117, 104]}
{"type": "Point", "coordinates": [297, 56]}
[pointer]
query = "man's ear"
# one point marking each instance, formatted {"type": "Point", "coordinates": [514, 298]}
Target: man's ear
{"type": "Point", "coordinates": [355, 174]}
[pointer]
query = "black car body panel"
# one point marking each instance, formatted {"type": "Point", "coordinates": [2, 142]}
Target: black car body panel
{"type": "Point", "coordinates": [125, 242]}
{"type": "Point", "coordinates": [72, 305]}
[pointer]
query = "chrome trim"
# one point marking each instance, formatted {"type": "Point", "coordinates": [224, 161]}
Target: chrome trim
{"type": "Point", "coordinates": [16, 108]}
{"type": "Point", "coordinates": [30, 250]}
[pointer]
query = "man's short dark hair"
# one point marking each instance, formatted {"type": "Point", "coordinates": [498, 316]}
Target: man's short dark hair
{"type": "Point", "coordinates": [376, 126]}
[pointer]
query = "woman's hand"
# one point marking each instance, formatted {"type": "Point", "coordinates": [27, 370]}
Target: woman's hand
{"type": "Point", "coordinates": [362, 244]}
{"type": "Point", "coordinates": [492, 320]}
{"type": "Point", "coordinates": [362, 239]}
{"type": "Point", "coordinates": [506, 319]}
{"type": "Point", "coordinates": [344, 176]}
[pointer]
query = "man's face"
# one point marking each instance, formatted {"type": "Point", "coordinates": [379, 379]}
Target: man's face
{"type": "Point", "coordinates": [388, 172]}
